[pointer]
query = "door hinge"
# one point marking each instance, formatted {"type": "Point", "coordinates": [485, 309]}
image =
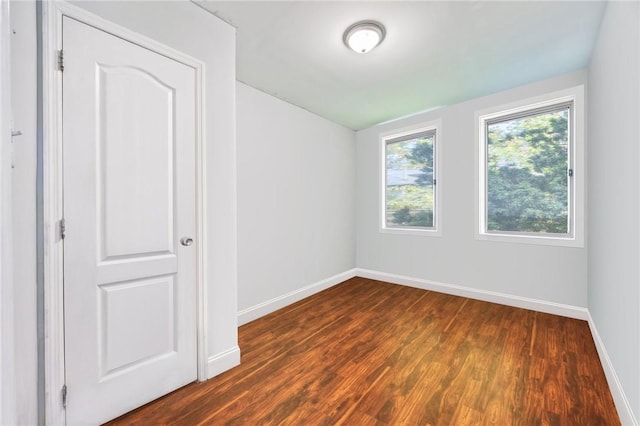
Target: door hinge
{"type": "Point", "coordinates": [64, 396]}
{"type": "Point", "coordinates": [61, 60]}
{"type": "Point", "coordinates": [63, 229]}
{"type": "Point", "coordinates": [570, 172]}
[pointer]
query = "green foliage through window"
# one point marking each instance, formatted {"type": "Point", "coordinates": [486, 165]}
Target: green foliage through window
{"type": "Point", "coordinates": [410, 181]}
{"type": "Point", "coordinates": [528, 184]}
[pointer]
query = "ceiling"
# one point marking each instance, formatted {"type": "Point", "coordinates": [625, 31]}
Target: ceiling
{"type": "Point", "coordinates": [435, 53]}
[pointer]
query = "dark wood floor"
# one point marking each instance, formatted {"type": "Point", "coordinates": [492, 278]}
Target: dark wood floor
{"type": "Point", "coordinates": [371, 353]}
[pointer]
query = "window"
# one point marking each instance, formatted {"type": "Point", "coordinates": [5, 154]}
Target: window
{"type": "Point", "coordinates": [410, 197]}
{"type": "Point", "coordinates": [528, 172]}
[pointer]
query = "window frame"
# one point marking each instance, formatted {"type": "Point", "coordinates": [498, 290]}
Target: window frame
{"type": "Point", "coordinates": [406, 132]}
{"type": "Point", "coordinates": [524, 108]}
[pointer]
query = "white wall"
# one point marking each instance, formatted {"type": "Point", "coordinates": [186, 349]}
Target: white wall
{"type": "Point", "coordinates": [547, 273]}
{"type": "Point", "coordinates": [296, 206]}
{"type": "Point", "coordinates": [23, 206]}
{"type": "Point", "coordinates": [614, 198]}
{"type": "Point", "coordinates": [7, 367]}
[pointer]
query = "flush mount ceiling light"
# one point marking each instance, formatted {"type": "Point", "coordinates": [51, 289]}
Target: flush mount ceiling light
{"type": "Point", "coordinates": [363, 36]}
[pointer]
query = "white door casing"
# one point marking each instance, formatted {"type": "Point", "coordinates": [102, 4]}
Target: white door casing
{"type": "Point", "coordinates": [129, 196]}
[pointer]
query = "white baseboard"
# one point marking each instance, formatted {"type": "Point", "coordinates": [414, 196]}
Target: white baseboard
{"type": "Point", "coordinates": [264, 308]}
{"type": "Point", "coordinates": [474, 293]}
{"type": "Point", "coordinates": [619, 398]}
{"type": "Point", "coordinates": [223, 361]}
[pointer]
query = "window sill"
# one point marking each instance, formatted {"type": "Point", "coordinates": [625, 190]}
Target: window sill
{"type": "Point", "coordinates": [532, 239]}
{"type": "Point", "coordinates": [412, 231]}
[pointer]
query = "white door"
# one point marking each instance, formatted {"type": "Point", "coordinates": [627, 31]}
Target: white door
{"type": "Point", "coordinates": [129, 199]}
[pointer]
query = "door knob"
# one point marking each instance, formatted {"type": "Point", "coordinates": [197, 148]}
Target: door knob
{"type": "Point", "coordinates": [186, 241]}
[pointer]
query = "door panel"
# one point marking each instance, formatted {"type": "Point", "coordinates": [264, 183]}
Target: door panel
{"type": "Point", "coordinates": [129, 196]}
{"type": "Point", "coordinates": [132, 330]}
{"type": "Point", "coordinates": [136, 195]}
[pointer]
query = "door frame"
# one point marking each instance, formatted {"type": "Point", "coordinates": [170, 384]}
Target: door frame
{"type": "Point", "coordinates": [52, 186]}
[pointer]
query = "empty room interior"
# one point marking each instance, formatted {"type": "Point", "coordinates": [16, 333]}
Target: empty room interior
{"type": "Point", "coordinates": [320, 212]}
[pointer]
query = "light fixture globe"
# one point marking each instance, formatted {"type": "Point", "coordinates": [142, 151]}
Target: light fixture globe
{"type": "Point", "coordinates": [363, 36]}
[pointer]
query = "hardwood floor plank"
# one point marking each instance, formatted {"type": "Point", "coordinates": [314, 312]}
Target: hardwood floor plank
{"type": "Point", "coordinates": [366, 352]}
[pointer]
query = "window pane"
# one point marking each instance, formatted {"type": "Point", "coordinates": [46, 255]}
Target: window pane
{"type": "Point", "coordinates": [410, 182]}
{"type": "Point", "coordinates": [527, 179]}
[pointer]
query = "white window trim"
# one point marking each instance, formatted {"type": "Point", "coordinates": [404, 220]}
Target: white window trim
{"type": "Point", "coordinates": [436, 231]}
{"type": "Point", "coordinates": [576, 163]}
